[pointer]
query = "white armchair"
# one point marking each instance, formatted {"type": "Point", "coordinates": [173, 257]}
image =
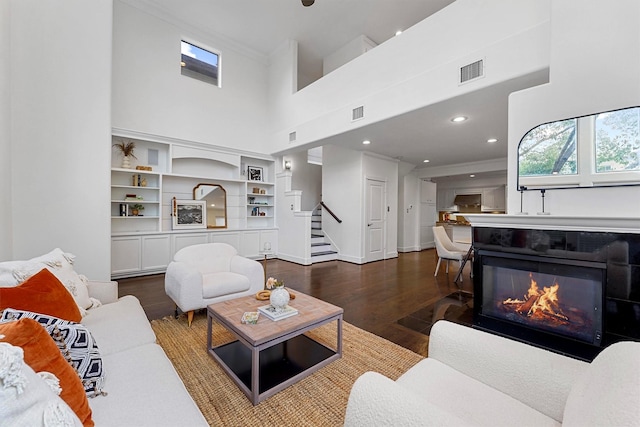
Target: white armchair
{"type": "Point", "coordinates": [472, 377]}
{"type": "Point", "coordinates": [200, 275]}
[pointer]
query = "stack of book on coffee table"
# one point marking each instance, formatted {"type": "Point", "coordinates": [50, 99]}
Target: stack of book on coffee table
{"type": "Point", "coordinates": [274, 315]}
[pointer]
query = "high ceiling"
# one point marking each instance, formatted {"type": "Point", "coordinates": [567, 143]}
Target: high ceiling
{"type": "Point", "coordinates": [261, 26]}
{"type": "Point", "coordinates": [320, 29]}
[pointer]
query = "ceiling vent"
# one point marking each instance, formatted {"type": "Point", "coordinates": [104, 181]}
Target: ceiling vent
{"type": "Point", "coordinates": [472, 71]}
{"type": "Point", "coordinates": [357, 113]}
{"type": "Point", "coordinates": [292, 136]}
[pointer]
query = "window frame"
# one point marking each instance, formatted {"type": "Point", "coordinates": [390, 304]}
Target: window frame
{"type": "Point", "coordinates": [208, 49]}
{"type": "Point", "coordinates": [586, 175]}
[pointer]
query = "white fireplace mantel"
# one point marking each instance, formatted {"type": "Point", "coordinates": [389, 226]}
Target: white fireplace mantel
{"type": "Point", "coordinates": [555, 222]}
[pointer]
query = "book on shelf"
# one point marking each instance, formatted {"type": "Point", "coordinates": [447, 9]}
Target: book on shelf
{"type": "Point", "coordinates": [271, 313]}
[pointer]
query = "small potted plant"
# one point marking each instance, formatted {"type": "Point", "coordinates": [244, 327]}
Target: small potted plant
{"type": "Point", "coordinates": [135, 209]}
{"type": "Point", "coordinates": [126, 148]}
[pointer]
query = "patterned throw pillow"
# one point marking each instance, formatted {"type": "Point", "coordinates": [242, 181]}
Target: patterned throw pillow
{"type": "Point", "coordinates": [76, 344]}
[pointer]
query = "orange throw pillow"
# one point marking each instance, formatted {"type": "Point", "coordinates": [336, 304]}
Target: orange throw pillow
{"type": "Point", "coordinates": [41, 293]}
{"type": "Point", "coordinates": [42, 354]}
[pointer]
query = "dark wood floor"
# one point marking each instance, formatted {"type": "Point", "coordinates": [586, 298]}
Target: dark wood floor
{"type": "Point", "coordinates": [374, 296]}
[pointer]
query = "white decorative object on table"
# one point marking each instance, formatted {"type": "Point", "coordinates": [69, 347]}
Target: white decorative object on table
{"type": "Point", "coordinates": [279, 297]}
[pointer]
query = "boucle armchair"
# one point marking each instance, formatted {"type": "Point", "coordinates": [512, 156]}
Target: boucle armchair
{"type": "Point", "coordinates": [476, 378]}
{"type": "Point", "coordinates": [200, 275]}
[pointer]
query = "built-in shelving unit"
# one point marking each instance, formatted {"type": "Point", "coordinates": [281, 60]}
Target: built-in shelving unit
{"type": "Point", "coordinates": [145, 243]}
{"type": "Point", "coordinates": [130, 188]}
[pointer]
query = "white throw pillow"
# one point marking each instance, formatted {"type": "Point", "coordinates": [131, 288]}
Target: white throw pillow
{"type": "Point", "coordinates": [27, 398]}
{"type": "Point", "coordinates": [12, 273]}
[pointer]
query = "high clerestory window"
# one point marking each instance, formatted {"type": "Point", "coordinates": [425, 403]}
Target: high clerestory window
{"type": "Point", "coordinates": [599, 149]}
{"type": "Point", "coordinates": [199, 63]}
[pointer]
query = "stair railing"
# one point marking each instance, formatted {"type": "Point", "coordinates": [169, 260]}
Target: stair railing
{"type": "Point", "coordinates": [330, 212]}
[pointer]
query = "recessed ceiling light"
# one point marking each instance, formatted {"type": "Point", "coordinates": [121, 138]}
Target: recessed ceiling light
{"type": "Point", "coordinates": [425, 161]}
{"type": "Point", "coordinates": [472, 176]}
{"type": "Point", "coordinates": [492, 140]}
{"type": "Point", "coordinates": [398, 32]}
{"type": "Point", "coordinates": [366, 142]}
{"type": "Point", "coordinates": [459, 119]}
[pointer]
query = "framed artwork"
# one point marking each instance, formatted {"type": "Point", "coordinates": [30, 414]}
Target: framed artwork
{"type": "Point", "coordinates": [189, 214]}
{"type": "Point", "coordinates": [254, 173]}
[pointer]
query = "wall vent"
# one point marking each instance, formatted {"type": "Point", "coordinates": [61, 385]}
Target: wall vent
{"type": "Point", "coordinates": [472, 71]}
{"type": "Point", "coordinates": [292, 136]}
{"type": "Point", "coordinates": [357, 113]}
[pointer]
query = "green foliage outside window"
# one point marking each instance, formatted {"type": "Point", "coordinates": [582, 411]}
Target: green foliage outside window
{"type": "Point", "coordinates": [618, 140]}
{"type": "Point", "coordinates": [549, 149]}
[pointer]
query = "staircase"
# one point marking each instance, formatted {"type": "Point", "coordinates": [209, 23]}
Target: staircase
{"type": "Point", "coordinates": [321, 250]}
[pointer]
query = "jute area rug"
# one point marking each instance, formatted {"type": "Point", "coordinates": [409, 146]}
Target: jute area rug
{"type": "Point", "coordinates": [318, 400]}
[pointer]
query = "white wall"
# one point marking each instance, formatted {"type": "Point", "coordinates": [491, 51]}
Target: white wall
{"type": "Point", "coordinates": [595, 66]}
{"type": "Point", "coordinates": [346, 53]}
{"type": "Point", "coordinates": [60, 135]}
{"type": "Point", "coordinates": [307, 178]}
{"type": "Point", "coordinates": [342, 192]}
{"type": "Point", "coordinates": [418, 68]}
{"type": "Point", "coordinates": [6, 244]}
{"type": "Point", "coordinates": [344, 174]}
{"type": "Point", "coordinates": [150, 95]}
{"type": "Point", "coordinates": [294, 234]}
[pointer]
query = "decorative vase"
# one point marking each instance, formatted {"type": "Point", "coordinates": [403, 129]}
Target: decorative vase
{"type": "Point", "coordinates": [125, 163]}
{"type": "Point", "coordinates": [279, 298]}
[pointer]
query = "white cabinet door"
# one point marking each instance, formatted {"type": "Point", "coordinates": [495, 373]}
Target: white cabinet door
{"type": "Point", "coordinates": [426, 237]}
{"type": "Point", "coordinates": [499, 199]}
{"type": "Point", "coordinates": [445, 199]}
{"type": "Point", "coordinates": [180, 241]}
{"type": "Point", "coordinates": [232, 239]}
{"type": "Point", "coordinates": [493, 199]}
{"type": "Point", "coordinates": [428, 217]}
{"type": "Point", "coordinates": [427, 192]}
{"type": "Point", "coordinates": [156, 252]}
{"type": "Point", "coordinates": [125, 255]}
{"type": "Point", "coordinates": [488, 202]}
{"type": "Point", "coordinates": [250, 244]}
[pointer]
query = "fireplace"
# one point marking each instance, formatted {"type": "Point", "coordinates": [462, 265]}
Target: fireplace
{"type": "Point", "coordinates": [569, 291]}
{"type": "Point", "coordinates": [549, 300]}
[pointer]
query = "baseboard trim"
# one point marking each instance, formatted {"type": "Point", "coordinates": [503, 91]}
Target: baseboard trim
{"type": "Point", "coordinates": [294, 259]}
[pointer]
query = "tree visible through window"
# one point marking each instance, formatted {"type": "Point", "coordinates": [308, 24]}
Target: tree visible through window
{"type": "Point", "coordinates": [598, 149]}
{"type": "Point", "coordinates": [617, 142]}
{"type": "Point", "coordinates": [549, 149]}
{"type": "Point", "coordinates": [199, 63]}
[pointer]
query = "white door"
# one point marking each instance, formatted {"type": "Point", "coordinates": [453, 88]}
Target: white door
{"type": "Point", "coordinates": [375, 202]}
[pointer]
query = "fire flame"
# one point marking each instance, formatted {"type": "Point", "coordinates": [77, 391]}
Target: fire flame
{"type": "Point", "coordinates": [538, 302]}
{"type": "Point", "coordinates": [533, 289]}
{"type": "Point", "coordinates": [547, 301]}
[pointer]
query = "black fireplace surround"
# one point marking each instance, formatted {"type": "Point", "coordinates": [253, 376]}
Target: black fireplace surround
{"type": "Point", "coordinates": [598, 271]}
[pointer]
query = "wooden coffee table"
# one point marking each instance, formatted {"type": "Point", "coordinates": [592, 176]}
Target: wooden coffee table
{"type": "Point", "coordinates": [269, 356]}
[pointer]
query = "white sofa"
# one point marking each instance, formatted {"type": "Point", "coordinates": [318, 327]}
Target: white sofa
{"type": "Point", "coordinates": [142, 386]}
{"type": "Point", "coordinates": [476, 378]}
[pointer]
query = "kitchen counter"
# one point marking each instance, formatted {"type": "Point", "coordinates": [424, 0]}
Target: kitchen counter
{"type": "Point", "coordinates": [457, 232]}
